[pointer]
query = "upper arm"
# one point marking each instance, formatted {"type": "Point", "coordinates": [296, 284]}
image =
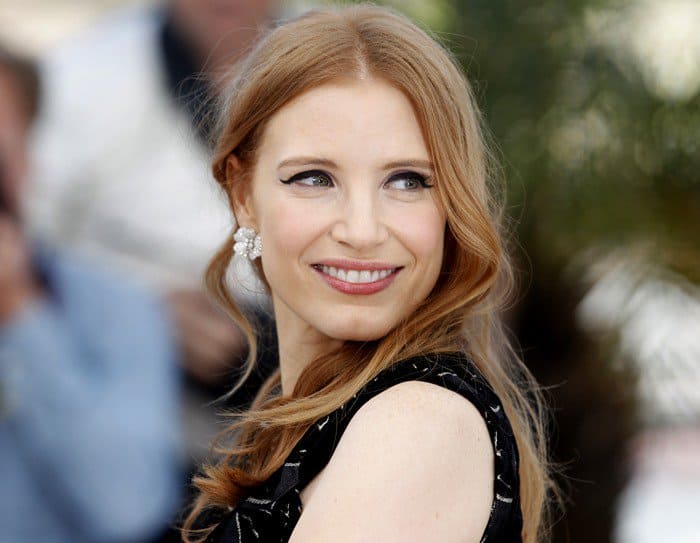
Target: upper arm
{"type": "Point", "coordinates": [414, 464]}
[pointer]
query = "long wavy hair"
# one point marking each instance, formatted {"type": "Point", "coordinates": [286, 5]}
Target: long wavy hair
{"type": "Point", "coordinates": [462, 310]}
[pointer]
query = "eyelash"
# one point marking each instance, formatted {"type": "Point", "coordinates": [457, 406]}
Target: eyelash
{"type": "Point", "coordinates": [413, 176]}
{"type": "Point", "coordinates": [305, 175]}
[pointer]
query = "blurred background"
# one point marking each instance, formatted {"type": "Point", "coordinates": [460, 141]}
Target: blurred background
{"type": "Point", "coordinates": [594, 108]}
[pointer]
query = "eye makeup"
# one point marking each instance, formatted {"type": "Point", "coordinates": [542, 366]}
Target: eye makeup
{"type": "Point", "coordinates": [415, 177]}
{"type": "Point", "coordinates": [319, 178]}
{"type": "Point", "coordinates": [322, 178]}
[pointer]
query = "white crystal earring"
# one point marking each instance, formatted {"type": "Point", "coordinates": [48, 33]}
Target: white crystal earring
{"type": "Point", "coordinates": [248, 243]}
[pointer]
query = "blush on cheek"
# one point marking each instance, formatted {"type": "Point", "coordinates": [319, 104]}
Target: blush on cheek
{"type": "Point", "coordinates": [288, 228]}
{"type": "Point", "coordinates": [291, 229]}
{"type": "Point", "coordinates": [426, 235]}
{"type": "Point", "coordinates": [426, 238]}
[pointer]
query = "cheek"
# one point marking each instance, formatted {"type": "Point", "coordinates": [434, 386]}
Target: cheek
{"type": "Point", "coordinates": [423, 234]}
{"type": "Point", "coordinates": [287, 228]}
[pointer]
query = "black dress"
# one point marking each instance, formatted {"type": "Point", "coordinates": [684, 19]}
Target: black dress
{"type": "Point", "coordinates": [270, 513]}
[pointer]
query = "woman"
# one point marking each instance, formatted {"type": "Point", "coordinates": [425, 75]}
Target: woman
{"type": "Point", "coordinates": [352, 157]}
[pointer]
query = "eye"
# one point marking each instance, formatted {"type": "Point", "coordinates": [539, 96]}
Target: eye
{"type": "Point", "coordinates": [311, 178]}
{"type": "Point", "coordinates": [408, 181]}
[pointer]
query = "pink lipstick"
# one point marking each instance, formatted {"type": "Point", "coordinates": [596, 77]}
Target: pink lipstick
{"type": "Point", "coordinates": [356, 277]}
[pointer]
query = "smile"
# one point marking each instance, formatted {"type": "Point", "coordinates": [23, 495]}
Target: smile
{"type": "Point", "coordinates": [365, 278]}
{"type": "Point", "coordinates": [357, 276]}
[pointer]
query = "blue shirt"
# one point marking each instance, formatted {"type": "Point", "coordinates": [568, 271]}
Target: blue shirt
{"type": "Point", "coordinates": [89, 420]}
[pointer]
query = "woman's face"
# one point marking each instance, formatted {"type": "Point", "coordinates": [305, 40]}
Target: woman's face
{"type": "Point", "coordinates": [340, 194]}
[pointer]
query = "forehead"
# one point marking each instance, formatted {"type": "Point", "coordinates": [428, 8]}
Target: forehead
{"type": "Point", "coordinates": [354, 120]}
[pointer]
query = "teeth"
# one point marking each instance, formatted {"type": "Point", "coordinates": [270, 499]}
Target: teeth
{"type": "Point", "coordinates": [357, 276]}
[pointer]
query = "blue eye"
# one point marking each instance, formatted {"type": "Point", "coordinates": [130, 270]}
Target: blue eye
{"type": "Point", "coordinates": [408, 181]}
{"type": "Point", "coordinates": [311, 178]}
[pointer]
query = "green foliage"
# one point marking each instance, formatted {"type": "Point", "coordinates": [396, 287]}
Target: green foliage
{"type": "Point", "coordinates": [593, 157]}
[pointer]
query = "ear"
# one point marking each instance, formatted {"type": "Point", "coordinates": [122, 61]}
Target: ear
{"type": "Point", "coordinates": [240, 192]}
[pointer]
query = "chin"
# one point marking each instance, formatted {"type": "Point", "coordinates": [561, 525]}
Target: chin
{"type": "Point", "coordinates": [358, 330]}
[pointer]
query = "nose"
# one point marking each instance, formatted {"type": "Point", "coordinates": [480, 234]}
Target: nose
{"type": "Point", "coordinates": [360, 224]}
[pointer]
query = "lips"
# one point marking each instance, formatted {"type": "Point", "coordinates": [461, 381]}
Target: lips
{"type": "Point", "coordinates": [357, 277]}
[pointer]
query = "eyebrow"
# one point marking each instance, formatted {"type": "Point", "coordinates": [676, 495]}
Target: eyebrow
{"type": "Point", "coordinates": [317, 161]}
{"type": "Point", "coordinates": [307, 161]}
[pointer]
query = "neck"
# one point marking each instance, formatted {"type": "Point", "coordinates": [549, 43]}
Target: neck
{"type": "Point", "coordinates": [299, 345]}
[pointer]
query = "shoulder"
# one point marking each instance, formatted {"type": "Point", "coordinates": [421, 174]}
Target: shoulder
{"type": "Point", "coordinates": [417, 407]}
{"type": "Point", "coordinates": [412, 460]}
{"type": "Point", "coordinates": [420, 424]}
{"type": "Point", "coordinates": [457, 372]}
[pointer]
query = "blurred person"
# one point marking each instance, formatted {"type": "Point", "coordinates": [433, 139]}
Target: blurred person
{"type": "Point", "coordinates": [89, 447]}
{"type": "Point", "coordinates": [122, 165]}
{"type": "Point", "coordinates": [120, 171]}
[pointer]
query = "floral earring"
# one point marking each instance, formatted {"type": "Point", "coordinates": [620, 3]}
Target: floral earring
{"type": "Point", "coordinates": [248, 243]}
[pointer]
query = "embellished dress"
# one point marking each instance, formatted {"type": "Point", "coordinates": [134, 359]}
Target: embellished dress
{"type": "Point", "coordinates": [270, 513]}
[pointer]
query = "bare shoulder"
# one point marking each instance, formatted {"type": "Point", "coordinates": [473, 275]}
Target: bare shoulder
{"type": "Point", "coordinates": [414, 464]}
{"type": "Point", "coordinates": [419, 401]}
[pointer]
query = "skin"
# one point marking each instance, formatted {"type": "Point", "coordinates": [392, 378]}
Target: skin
{"type": "Point", "coordinates": [209, 341]}
{"type": "Point", "coordinates": [18, 286]}
{"type": "Point", "coordinates": [415, 463]}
